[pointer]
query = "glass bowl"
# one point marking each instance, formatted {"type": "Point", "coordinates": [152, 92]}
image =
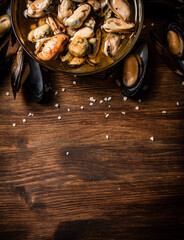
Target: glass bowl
{"type": "Point", "coordinates": [21, 30]}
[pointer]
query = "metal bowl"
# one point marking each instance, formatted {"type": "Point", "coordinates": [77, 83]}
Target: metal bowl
{"type": "Point", "coordinates": [21, 31]}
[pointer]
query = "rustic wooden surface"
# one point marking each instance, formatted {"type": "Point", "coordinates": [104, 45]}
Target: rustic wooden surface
{"type": "Point", "coordinates": [124, 187]}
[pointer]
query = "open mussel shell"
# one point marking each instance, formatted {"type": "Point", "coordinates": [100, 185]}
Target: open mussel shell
{"type": "Point", "coordinates": [134, 69]}
{"type": "Point", "coordinates": [175, 64]}
{"type": "Point", "coordinates": [174, 38]}
{"type": "Point", "coordinates": [34, 81]}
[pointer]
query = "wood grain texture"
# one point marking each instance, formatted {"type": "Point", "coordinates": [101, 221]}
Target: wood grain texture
{"type": "Point", "coordinates": [124, 187]}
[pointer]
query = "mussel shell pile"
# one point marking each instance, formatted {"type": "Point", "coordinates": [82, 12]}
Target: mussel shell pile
{"type": "Point", "coordinates": [77, 32]}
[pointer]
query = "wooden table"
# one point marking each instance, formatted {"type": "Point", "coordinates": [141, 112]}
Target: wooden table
{"type": "Point", "coordinates": [64, 180]}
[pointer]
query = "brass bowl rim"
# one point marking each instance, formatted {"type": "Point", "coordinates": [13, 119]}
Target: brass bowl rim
{"type": "Point", "coordinates": [57, 69]}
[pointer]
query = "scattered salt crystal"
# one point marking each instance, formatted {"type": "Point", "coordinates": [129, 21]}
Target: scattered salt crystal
{"type": "Point", "coordinates": [152, 24]}
{"type": "Point", "coordinates": [143, 26]}
{"type": "Point", "coordinates": [152, 138]}
{"type": "Point", "coordinates": [63, 89]}
{"type": "Point", "coordinates": [24, 120]}
{"type": "Point", "coordinates": [106, 115]}
{"type": "Point", "coordinates": [177, 103]}
{"type": "Point", "coordinates": [57, 105]}
{"type": "Point", "coordinates": [75, 76]}
{"type": "Point", "coordinates": [119, 188]}
{"type": "Point", "coordinates": [101, 101]}
{"type": "Point", "coordinates": [139, 100]}
{"type": "Point", "coordinates": [125, 99]}
{"type": "Point", "coordinates": [92, 99]}
{"type": "Point", "coordinates": [74, 82]}
{"type": "Point", "coordinates": [30, 114]}
{"type": "Point", "coordinates": [109, 106]}
{"type": "Point", "coordinates": [67, 153]}
{"type": "Point", "coordinates": [59, 117]}
{"type": "Point", "coordinates": [109, 98]}
{"type": "Point", "coordinates": [105, 99]}
{"type": "Point", "coordinates": [182, 83]}
{"type": "Point", "coordinates": [137, 108]}
{"type": "Point", "coordinates": [123, 113]}
{"type": "Point", "coordinates": [91, 104]}
{"type": "Point", "coordinates": [82, 107]}
{"type": "Point", "coordinates": [56, 93]}
{"type": "Point", "coordinates": [7, 93]}
{"type": "Point", "coordinates": [164, 112]}
{"type": "Point", "coordinates": [107, 137]}
{"type": "Point", "coordinates": [14, 124]}
{"type": "Point", "coordinates": [68, 110]}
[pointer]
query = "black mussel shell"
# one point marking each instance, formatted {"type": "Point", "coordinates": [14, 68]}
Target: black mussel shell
{"type": "Point", "coordinates": [141, 50]}
{"type": "Point", "coordinates": [34, 81]}
{"type": "Point", "coordinates": [16, 71]}
{"type": "Point", "coordinates": [170, 60]}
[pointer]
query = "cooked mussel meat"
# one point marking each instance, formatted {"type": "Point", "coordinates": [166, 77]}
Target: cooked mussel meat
{"type": "Point", "coordinates": [76, 62]}
{"type": "Point", "coordinates": [116, 25]}
{"type": "Point", "coordinates": [85, 32]}
{"type": "Point", "coordinates": [79, 16]}
{"type": "Point", "coordinates": [121, 8]}
{"type": "Point", "coordinates": [50, 48]}
{"type": "Point", "coordinates": [134, 69]}
{"type": "Point", "coordinates": [5, 24]}
{"type": "Point", "coordinates": [39, 8]}
{"type": "Point", "coordinates": [79, 47]}
{"type": "Point", "coordinates": [39, 33]}
{"type": "Point", "coordinates": [65, 9]}
{"type": "Point", "coordinates": [112, 43]}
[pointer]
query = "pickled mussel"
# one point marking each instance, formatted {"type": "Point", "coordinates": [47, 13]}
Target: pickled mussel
{"type": "Point", "coordinates": [134, 69]}
{"type": "Point", "coordinates": [172, 48]}
{"type": "Point", "coordinates": [39, 8]}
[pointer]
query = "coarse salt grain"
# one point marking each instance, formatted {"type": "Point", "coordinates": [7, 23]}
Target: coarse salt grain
{"type": "Point", "coordinates": [82, 107]}
{"type": "Point", "coordinates": [68, 110]}
{"type": "Point", "coordinates": [106, 115]}
{"type": "Point", "coordinates": [67, 153]}
{"type": "Point", "coordinates": [63, 89]}
{"type": "Point", "coordinates": [57, 105]}
{"type": "Point", "coordinates": [152, 138]}
{"type": "Point", "coordinates": [107, 137]}
{"type": "Point", "coordinates": [24, 120]}
{"type": "Point", "coordinates": [101, 101]}
{"type": "Point", "coordinates": [125, 99]}
{"type": "Point", "coordinates": [7, 93]}
{"type": "Point", "coordinates": [177, 103]}
{"type": "Point", "coordinates": [109, 106]}
{"type": "Point", "coordinates": [109, 98]}
{"type": "Point", "coordinates": [74, 82]}
{"type": "Point", "coordinates": [30, 114]}
{"type": "Point", "coordinates": [152, 24]}
{"type": "Point", "coordinates": [75, 76]}
{"type": "Point", "coordinates": [59, 117]}
{"type": "Point", "coordinates": [56, 93]}
{"type": "Point", "coordinates": [91, 104]}
{"type": "Point", "coordinates": [182, 83]}
{"type": "Point", "coordinates": [105, 99]}
{"type": "Point", "coordinates": [123, 113]}
{"type": "Point", "coordinates": [137, 108]}
{"type": "Point", "coordinates": [92, 99]}
{"type": "Point", "coordinates": [164, 112]}
{"type": "Point", "coordinates": [14, 124]}
{"type": "Point", "coordinates": [139, 100]}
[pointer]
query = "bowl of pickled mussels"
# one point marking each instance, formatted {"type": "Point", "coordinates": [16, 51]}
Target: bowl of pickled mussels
{"type": "Point", "coordinates": [77, 36]}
